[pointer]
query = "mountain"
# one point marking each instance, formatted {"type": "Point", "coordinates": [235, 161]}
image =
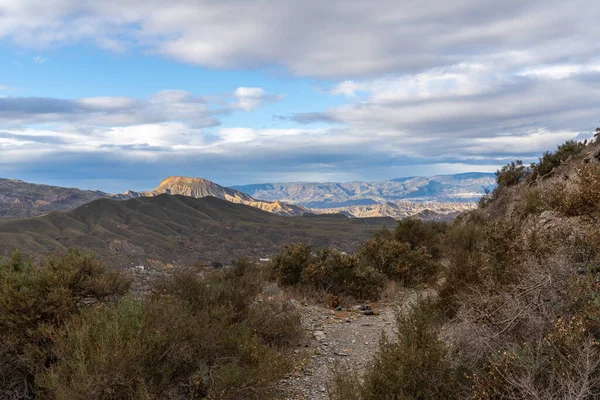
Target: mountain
{"type": "Point", "coordinates": [467, 187]}
{"type": "Point", "coordinates": [22, 199]}
{"type": "Point", "coordinates": [174, 229]}
{"type": "Point", "coordinates": [199, 187]}
{"type": "Point", "coordinates": [432, 210]}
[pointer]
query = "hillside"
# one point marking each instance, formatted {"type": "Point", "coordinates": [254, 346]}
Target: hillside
{"type": "Point", "coordinates": [177, 229]}
{"type": "Point", "coordinates": [468, 187]}
{"type": "Point", "coordinates": [20, 199]}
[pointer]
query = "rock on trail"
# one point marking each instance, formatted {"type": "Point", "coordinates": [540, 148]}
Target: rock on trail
{"type": "Point", "coordinates": [348, 337]}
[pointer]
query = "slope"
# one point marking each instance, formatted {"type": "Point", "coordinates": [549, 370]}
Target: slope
{"type": "Point", "coordinates": [179, 229]}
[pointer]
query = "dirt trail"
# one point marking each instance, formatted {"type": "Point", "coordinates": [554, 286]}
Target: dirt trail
{"type": "Point", "coordinates": [348, 336]}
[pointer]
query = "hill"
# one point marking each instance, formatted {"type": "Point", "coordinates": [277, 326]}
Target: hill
{"type": "Point", "coordinates": [174, 229]}
{"type": "Point", "coordinates": [468, 187]}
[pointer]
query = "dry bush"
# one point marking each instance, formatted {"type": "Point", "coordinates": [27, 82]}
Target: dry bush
{"type": "Point", "coordinates": [35, 297]}
{"type": "Point", "coordinates": [413, 366]}
{"type": "Point", "coordinates": [580, 197]}
{"type": "Point", "coordinates": [276, 322]}
{"type": "Point", "coordinates": [192, 338]}
{"type": "Point", "coordinates": [563, 365]}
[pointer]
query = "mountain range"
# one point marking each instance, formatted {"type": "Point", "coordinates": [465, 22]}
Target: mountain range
{"type": "Point", "coordinates": [466, 187]}
{"type": "Point", "coordinates": [439, 197]}
{"type": "Point", "coordinates": [172, 229]}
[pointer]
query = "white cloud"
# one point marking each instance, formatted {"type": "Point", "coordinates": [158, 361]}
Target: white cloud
{"type": "Point", "coordinates": [250, 98]}
{"type": "Point", "coordinates": [39, 60]}
{"type": "Point", "coordinates": [314, 38]}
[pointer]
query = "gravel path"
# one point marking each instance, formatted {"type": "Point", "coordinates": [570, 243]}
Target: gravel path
{"type": "Point", "coordinates": [348, 337]}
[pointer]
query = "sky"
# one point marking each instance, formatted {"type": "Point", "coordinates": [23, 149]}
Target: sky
{"type": "Point", "coordinates": [119, 94]}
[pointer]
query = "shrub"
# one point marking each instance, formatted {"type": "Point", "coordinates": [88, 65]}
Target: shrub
{"type": "Point", "coordinates": [581, 197]}
{"type": "Point", "coordinates": [563, 365]}
{"type": "Point", "coordinates": [414, 366]}
{"type": "Point", "coordinates": [399, 261]}
{"type": "Point", "coordinates": [33, 297]}
{"type": "Point", "coordinates": [338, 273]}
{"type": "Point", "coordinates": [276, 322]}
{"type": "Point", "coordinates": [287, 266]}
{"type": "Point", "coordinates": [462, 244]}
{"type": "Point", "coordinates": [535, 202]}
{"type": "Point", "coordinates": [512, 173]}
{"type": "Point", "coordinates": [192, 337]}
{"type": "Point", "coordinates": [550, 160]}
{"type": "Point", "coordinates": [419, 233]}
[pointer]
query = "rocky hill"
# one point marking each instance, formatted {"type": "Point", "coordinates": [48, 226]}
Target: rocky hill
{"type": "Point", "coordinates": [467, 187]}
{"type": "Point", "coordinates": [199, 187]}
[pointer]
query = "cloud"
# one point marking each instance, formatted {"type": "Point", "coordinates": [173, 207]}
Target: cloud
{"type": "Point", "coordinates": [250, 98]}
{"type": "Point", "coordinates": [164, 106]}
{"type": "Point", "coordinates": [39, 60]}
{"type": "Point", "coordinates": [313, 38]}
{"type": "Point", "coordinates": [459, 85]}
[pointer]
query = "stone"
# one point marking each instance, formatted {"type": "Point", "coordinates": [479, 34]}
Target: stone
{"type": "Point", "coordinates": [319, 336]}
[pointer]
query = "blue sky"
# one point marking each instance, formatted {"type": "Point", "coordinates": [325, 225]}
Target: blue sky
{"type": "Point", "coordinates": [120, 94]}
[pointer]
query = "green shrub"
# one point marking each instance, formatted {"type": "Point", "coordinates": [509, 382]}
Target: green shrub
{"type": "Point", "coordinates": [462, 244]}
{"type": "Point", "coordinates": [287, 266]}
{"type": "Point", "coordinates": [417, 233]}
{"type": "Point", "coordinates": [414, 366]}
{"type": "Point", "coordinates": [512, 173]}
{"type": "Point", "coordinates": [338, 273]}
{"type": "Point", "coordinates": [550, 160]}
{"type": "Point", "coordinates": [399, 261]}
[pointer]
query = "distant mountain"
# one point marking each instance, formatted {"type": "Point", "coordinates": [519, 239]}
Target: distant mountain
{"type": "Point", "coordinates": [467, 187]}
{"type": "Point", "coordinates": [20, 199]}
{"type": "Point", "coordinates": [436, 211]}
{"type": "Point", "coordinates": [173, 229]}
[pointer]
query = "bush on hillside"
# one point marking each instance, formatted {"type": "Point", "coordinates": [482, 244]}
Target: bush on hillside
{"type": "Point", "coordinates": [553, 159]}
{"type": "Point", "coordinates": [581, 197]}
{"type": "Point", "coordinates": [563, 365]}
{"type": "Point", "coordinates": [512, 173]}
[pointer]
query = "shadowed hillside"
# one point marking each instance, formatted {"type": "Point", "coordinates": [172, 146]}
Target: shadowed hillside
{"type": "Point", "coordinates": [179, 229]}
